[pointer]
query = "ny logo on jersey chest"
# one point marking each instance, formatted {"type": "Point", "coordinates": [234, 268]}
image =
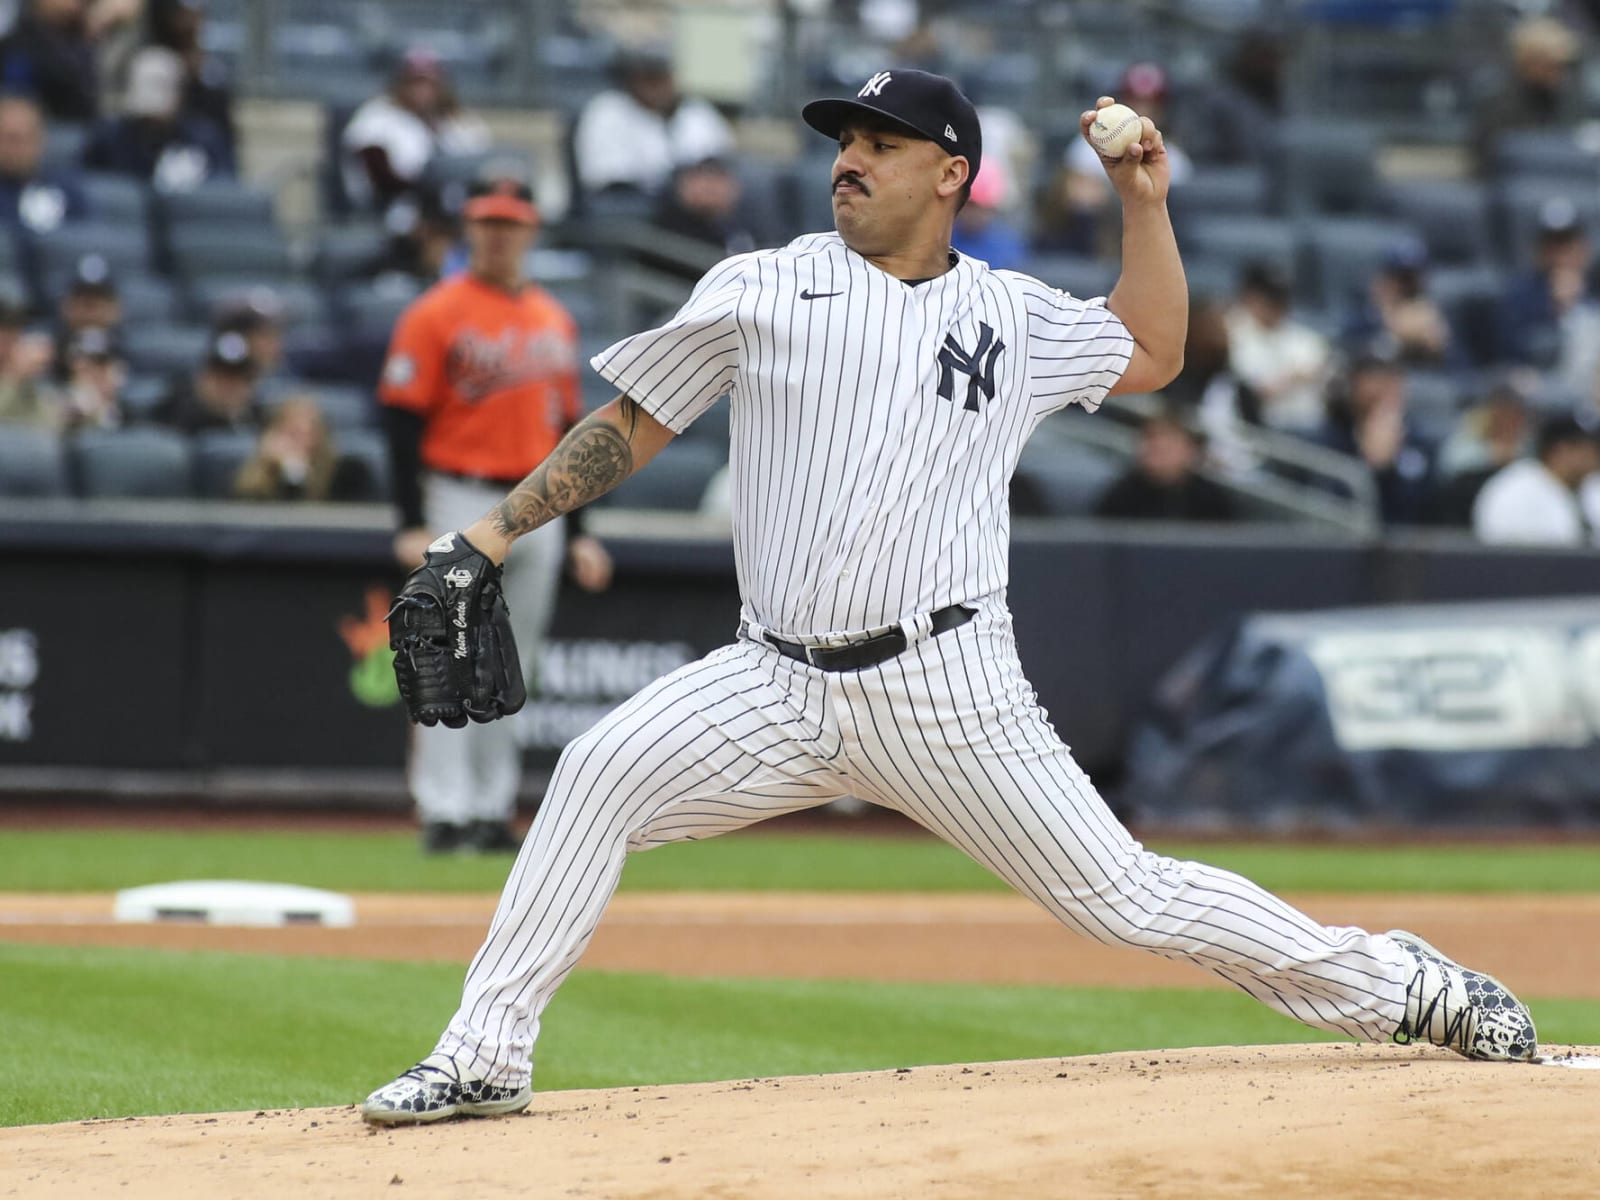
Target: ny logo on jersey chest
{"type": "Point", "coordinates": [977, 365]}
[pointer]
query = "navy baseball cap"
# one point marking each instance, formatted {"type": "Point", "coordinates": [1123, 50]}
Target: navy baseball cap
{"type": "Point", "coordinates": [929, 105]}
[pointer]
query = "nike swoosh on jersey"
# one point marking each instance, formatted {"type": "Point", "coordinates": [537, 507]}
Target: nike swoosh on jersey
{"type": "Point", "coordinates": [805, 294]}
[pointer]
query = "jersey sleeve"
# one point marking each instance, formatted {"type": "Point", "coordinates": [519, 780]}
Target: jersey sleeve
{"type": "Point", "coordinates": [677, 371]}
{"type": "Point", "coordinates": [414, 371]}
{"type": "Point", "coordinates": [1077, 349]}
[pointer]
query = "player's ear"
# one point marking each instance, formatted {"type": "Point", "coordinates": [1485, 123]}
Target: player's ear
{"type": "Point", "coordinates": [954, 176]}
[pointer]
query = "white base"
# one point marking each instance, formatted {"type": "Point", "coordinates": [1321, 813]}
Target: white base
{"type": "Point", "coordinates": [234, 902]}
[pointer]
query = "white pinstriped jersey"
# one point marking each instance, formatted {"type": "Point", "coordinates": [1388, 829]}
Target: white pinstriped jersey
{"type": "Point", "coordinates": [875, 424]}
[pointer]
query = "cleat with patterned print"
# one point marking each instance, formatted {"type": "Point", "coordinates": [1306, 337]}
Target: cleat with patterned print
{"type": "Point", "coordinates": [435, 1089]}
{"type": "Point", "coordinates": [1466, 1011]}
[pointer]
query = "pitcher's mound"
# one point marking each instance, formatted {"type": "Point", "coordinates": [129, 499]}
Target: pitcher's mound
{"type": "Point", "coordinates": [1323, 1121]}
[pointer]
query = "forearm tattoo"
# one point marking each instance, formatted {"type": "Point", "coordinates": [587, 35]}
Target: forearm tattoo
{"type": "Point", "coordinates": [590, 461]}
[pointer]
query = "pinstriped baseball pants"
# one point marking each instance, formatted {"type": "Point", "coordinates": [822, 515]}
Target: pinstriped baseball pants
{"type": "Point", "coordinates": [949, 734]}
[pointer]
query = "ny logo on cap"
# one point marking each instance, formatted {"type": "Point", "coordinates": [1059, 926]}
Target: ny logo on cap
{"type": "Point", "coordinates": [875, 85]}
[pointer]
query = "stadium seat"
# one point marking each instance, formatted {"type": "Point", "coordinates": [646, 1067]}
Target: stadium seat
{"type": "Point", "coordinates": [1325, 165]}
{"type": "Point", "coordinates": [33, 462]}
{"type": "Point", "coordinates": [63, 145]}
{"type": "Point", "coordinates": [221, 251]}
{"type": "Point", "coordinates": [1062, 478]}
{"type": "Point", "coordinates": [344, 406]}
{"type": "Point", "coordinates": [675, 479]}
{"type": "Point", "coordinates": [143, 394]}
{"type": "Point", "coordinates": [150, 300]}
{"type": "Point", "coordinates": [1266, 239]}
{"type": "Point", "coordinates": [374, 309]}
{"type": "Point", "coordinates": [372, 449]}
{"type": "Point", "coordinates": [1453, 217]}
{"type": "Point", "coordinates": [1344, 253]}
{"type": "Point", "coordinates": [218, 455]}
{"type": "Point", "coordinates": [119, 199]}
{"type": "Point", "coordinates": [125, 247]}
{"type": "Point", "coordinates": [349, 251]}
{"type": "Point", "coordinates": [711, 427]}
{"type": "Point", "coordinates": [1082, 277]}
{"type": "Point", "coordinates": [216, 202]}
{"type": "Point", "coordinates": [1210, 278]}
{"type": "Point", "coordinates": [1238, 191]}
{"type": "Point", "coordinates": [301, 303]}
{"type": "Point", "coordinates": [1435, 400]}
{"type": "Point", "coordinates": [165, 349]}
{"type": "Point", "coordinates": [1546, 154]}
{"type": "Point", "coordinates": [132, 462]}
{"type": "Point", "coordinates": [1470, 300]}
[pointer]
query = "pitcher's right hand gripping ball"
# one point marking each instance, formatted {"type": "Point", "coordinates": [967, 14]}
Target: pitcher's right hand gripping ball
{"type": "Point", "coordinates": [450, 630]}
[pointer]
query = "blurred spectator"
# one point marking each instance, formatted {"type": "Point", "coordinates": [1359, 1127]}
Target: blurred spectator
{"type": "Point", "coordinates": [1090, 219]}
{"type": "Point", "coordinates": [983, 230]}
{"type": "Point", "coordinates": [24, 360]}
{"type": "Point", "coordinates": [1491, 436]}
{"type": "Point", "coordinates": [424, 229]}
{"type": "Point", "coordinates": [90, 302]}
{"type": "Point", "coordinates": [1164, 484]}
{"type": "Point", "coordinates": [1542, 91]}
{"type": "Point", "coordinates": [220, 394]}
{"type": "Point", "coordinates": [154, 139]}
{"type": "Point", "coordinates": [1398, 307]}
{"type": "Point", "coordinates": [1283, 363]}
{"type": "Point", "coordinates": [91, 394]}
{"type": "Point", "coordinates": [1552, 499]}
{"type": "Point", "coordinates": [1548, 317]}
{"type": "Point", "coordinates": [296, 460]}
{"type": "Point", "coordinates": [392, 138]}
{"type": "Point", "coordinates": [1238, 109]}
{"type": "Point", "coordinates": [633, 134]}
{"type": "Point", "coordinates": [257, 317]}
{"type": "Point", "coordinates": [1367, 420]}
{"type": "Point", "coordinates": [207, 92]}
{"type": "Point", "coordinates": [704, 203]}
{"type": "Point", "coordinates": [49, 55]}
{"type": "Point", "coordinates": [31, 199]}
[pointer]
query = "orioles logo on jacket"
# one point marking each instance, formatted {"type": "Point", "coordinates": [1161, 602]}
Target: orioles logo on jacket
{"type": "Point", "coordinates": [478, 365]}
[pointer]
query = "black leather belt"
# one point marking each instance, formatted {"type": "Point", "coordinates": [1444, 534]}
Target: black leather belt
{"type": "Point", "coordinates": [873, 650]}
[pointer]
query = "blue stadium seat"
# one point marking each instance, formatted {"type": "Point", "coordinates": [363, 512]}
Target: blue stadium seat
{"type": "Point", "coordinates": [216, 202]}
{"type": "Point", "coordinates": [675, 480]}
{"type": "Point", "coordinates": [242, 252]}
{"type": "Point", "coordinates": [344, 406]}
{"type": "Point", "coordinates": [1239, 191]}
{"type": "Point", "coordinates": [33, 462]}
{"type": "Point", "coordinates": [1470, 300]}
{"type": "Point", "coordinates": [125, 247]}
{"type": "Point", "coordinates": [151, 300]}
{"type": "Point", "coordinates": [711, 427]}
{"type": "Point", "coordinates": [143, 394]}
{"type": "Point", "coordinates": [63, 145]}
{"type": "Point", "coordinates": [218, 455]}
{"type": "Point", "coordinates": [132, 462]}
{"type": "Point", "coordinates": [1082, 277]}
{"type": "Point", "coordinates": [372, 449]}
{"type": "Point", "coordinates": [120, 199]}
{"type": "Point", "coordinates": [1326, 165]}
{"type": "Point", "coordinates": [165, 349]}
{"type": "Point", "coordinates": [349, 251]}
{"type": "Point", "coordinates": [1344, 253]}
{"type": "Point", "coordinates": [374, 309]}
{"type": "Point", "coordinates": [1063, 478]}
{"type": "Point", "coordinates": [1272, 240]}
{"type": "Point", "coordinates": [1545, 154]}
{"type": "Point", "coordinates": [301, 303]}
{"type": "Point", "coordinates": [1453, 217]}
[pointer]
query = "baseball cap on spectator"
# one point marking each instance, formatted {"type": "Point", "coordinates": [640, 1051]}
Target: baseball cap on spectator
{"type": "Point", "coordinates": [501, 195]}
{"type": "Point", "coordinates": [1408, 254]}
{"type": "Point", "coordinates": [92, 275]}
{"type": "Point", "coordinates": [1560, 430]}
{"type": "Point", "coordinates": [1266, 279]}
{"type": "Point", "coordinates": [1559, 219]}
{"type": "Point", "coordinates": [229, 351]}
{"type": "Point", "coordinates": [1143, 81]}
{"type": "Point", "coordinates": [928, 105]}
{"type": "Point", "coordinates": [155, 83]}
{"type": "Point", "coordinates": [249, 311]}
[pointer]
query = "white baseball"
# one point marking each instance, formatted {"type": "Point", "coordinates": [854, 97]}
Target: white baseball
{"type": "Point", "coordinates": [1115, 128]}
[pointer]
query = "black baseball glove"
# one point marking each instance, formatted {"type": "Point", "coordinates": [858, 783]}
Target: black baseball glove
{"type": "Point", "coordinates": [450, 630]}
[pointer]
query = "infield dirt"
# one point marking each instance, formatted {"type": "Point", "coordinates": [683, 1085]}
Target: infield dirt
{"type": "Point", "coordinates": [1283, 1121]}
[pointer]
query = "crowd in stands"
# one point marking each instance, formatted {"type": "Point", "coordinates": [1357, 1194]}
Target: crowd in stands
{"type": "Point", "coordinates": [1439, 332]}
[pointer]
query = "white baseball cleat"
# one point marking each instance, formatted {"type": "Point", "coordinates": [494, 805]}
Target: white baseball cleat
{"type": "Point", "coordinates": [1466, 1011]}
{"type": "Point", "coordinates": [436, 1088]}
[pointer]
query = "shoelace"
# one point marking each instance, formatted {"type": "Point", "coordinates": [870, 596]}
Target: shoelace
{"type": "Point", "coordinates": [423, 1070]}
{"type": "Point", "coordinates": [1452, 1026]}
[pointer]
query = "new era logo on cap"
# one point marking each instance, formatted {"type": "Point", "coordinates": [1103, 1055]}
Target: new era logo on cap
{"type": "Point", "coordinates": [924, 103]}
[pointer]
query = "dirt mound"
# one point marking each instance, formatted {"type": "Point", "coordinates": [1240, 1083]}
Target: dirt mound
{"type": "Point", "coordinates": [1282, 1121]}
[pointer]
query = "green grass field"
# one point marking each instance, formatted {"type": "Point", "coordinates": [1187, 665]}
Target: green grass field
{"type": "Point", "coordinates": [71, 861]}
{"type": "Point", "coordinates": [120, 1032]}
